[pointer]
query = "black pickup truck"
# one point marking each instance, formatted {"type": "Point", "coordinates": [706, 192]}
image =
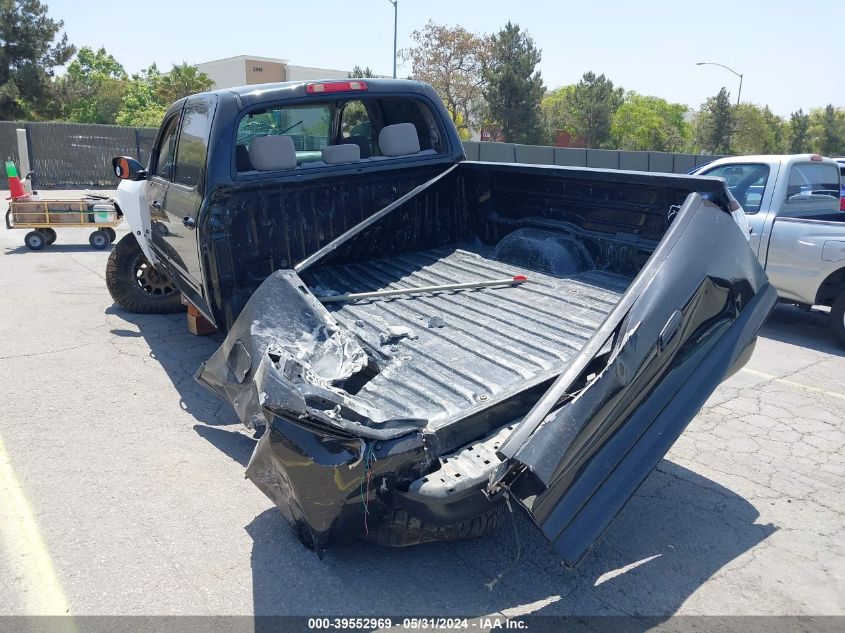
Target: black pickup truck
{"type": "Point", "coordinates": [420, 338]}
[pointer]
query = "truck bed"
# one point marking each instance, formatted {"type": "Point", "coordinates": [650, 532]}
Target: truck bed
{"type": "Point", "coordinates": [466, 348]}
{"type": "Point", "coordinates": [401, 419]}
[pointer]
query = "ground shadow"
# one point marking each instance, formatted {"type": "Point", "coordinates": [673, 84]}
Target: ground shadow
{"type": "Point", "coordinates": [180, 354]}
{"type": "Point", "coordinates": [235, 444]}
{"type": "Point", "coordinates": [675, 533]}
{"type": "Point", "coordinates": [802, 327]}
{"type": "Point", "coordinates": [124, 333]}
{"type": "Point", "coordinates": [55, 248]}
{"type": "Point", "coordinates": [678, 530]}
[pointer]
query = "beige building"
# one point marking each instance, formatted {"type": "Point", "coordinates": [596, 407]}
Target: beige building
{"type": "Point", "coordinates": [249, 69]}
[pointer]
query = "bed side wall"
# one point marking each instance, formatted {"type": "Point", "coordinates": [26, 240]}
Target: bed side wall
{"type": "Point", "coordinates": [618, 217]}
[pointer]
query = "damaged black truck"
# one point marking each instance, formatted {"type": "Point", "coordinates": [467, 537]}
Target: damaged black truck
{"type": "Point", "coordinates": [420, 339]}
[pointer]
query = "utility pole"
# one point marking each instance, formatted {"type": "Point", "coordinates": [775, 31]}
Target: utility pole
{"type": "Point", "coordinates": [395, 4]}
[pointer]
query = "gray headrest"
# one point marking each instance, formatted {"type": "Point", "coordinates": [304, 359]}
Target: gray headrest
{"type": "Point", "coordinates": [339, 154]}
{"type": "Point", "coordinates": [269, 153]}
{"type": "Point", "coordinates": [399, 140]}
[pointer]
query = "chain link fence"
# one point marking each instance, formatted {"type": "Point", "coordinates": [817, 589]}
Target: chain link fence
{"type": "Point", "coordinates": [70, 155]}
{"type": "Point", "coordinates": [75, 155]}
{"type": "Point", "coordinates": [146, 138]}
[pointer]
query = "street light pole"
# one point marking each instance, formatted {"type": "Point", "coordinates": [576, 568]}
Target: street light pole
{"type": "Point", "coordinates": [395, 4]}
{"type": "Point", "coordinates": [739, 93]}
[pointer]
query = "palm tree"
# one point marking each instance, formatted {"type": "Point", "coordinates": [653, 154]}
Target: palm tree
{"type": "Point", "coordinates": [182, 80]}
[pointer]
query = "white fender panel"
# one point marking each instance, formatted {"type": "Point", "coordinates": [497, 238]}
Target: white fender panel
{"type": "Point", "coordinates": [131, 196]}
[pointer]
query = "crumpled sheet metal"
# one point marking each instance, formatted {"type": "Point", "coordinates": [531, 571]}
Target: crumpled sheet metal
{"type": "Point", "coordinates": [282, 321]}
{"type": "Point", "coordinates": [286, 355]}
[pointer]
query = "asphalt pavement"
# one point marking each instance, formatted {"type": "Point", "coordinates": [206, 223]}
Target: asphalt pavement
{"type": "Point", "coordinates": [123, 491]}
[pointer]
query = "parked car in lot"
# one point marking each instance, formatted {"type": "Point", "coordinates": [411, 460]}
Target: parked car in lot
{"type": "Point", "coordinates": [793, 204]}
{"type": "Point", "coordinates": [423, 338]}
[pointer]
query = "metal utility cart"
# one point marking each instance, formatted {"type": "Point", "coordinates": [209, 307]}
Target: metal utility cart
{"type": "Point", "coordinates": [41, 216]}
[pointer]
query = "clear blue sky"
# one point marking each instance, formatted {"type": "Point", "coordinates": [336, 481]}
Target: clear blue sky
{"type": "Point", "coordinates": [789, 51]}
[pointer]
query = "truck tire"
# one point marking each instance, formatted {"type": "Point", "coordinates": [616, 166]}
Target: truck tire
{"type": "Point", "coordinates": [402, 529]}
{"type": "Point", "coordinates": [135, 285]}
{"type": "Point", "coordinates": [837, 319]}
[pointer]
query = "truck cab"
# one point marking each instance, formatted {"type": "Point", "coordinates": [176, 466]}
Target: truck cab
{"type": "Point", "coordinates": [286, 168]}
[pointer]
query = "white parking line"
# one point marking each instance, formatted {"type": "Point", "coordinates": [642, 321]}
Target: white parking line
{"type": "Point", "coordinates": [609, 575]}
{"type": "Point", "coordinates": [798, 385]}
{"type": "Point", "coordinates": [25, 550]}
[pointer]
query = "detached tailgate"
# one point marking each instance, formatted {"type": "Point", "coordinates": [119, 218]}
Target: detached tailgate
{"type": "Point", "coordinates": [688, 321]}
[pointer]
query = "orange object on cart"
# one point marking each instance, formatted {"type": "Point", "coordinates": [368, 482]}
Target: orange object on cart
{"type": "Point", "coordinates": [15, 185]}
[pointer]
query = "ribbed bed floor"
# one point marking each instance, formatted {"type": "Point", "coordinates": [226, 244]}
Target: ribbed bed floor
{"type": "Point", "coordinates": [489, 341]}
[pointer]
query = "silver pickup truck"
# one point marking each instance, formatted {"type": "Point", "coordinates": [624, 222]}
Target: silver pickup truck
{"type": "Point", "coordinates": [792, 204]}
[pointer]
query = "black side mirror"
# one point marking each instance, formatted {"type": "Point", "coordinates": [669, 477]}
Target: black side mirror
{"type": "Point", "coordinates": [127, 168]}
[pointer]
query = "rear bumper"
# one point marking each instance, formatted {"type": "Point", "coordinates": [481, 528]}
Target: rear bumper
{"type": "Point", "coordinates": [332, 489]}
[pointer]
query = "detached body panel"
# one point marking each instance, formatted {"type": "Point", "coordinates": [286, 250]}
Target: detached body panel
{"type": "Point", "coordinates": [689, 322]}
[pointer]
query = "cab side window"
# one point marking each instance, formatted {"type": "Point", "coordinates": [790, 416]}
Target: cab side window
{"type": "Point", "coordinates": [166, 151]}
{"type": "Point", "coordinates": [396, 110]}
{"type": "Point", "coordinates": [193, 143]}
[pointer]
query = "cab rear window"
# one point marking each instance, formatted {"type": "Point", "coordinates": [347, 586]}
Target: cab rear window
{"type": "Point", "coordinates": [313, 127]}
{"type": "Point", "coordinates": [307, 126]}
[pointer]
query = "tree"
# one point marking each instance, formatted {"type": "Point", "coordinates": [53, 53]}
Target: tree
{"type": "Point", "coordinates": [89, 63]}
{"type": "Point", "coordinates": [594, 102]}
{"type": "Point", "coordinates": [28, 53]}
{"type": "Point", "coordinates": [463, 129]}
{"type": "Point", "coordinates": [513, 87]}
{"type": "Point", "coordinates": [779, 131]}
{"type": "Point", "coordinates": [93, 87]}
{"type": "Point", "coordinates": [756, 130]}
{"type": "Point", "coordinates": [141, 105]}
{"type": "Point", "coordinates": [799, 127]}
{"type": "Point", "coordinates": [827, 131]}
{"type": "Point", "coordinates": [714, 124]}
{"type": "Point", "coordinates": [359, 73]}
{"type": "Point", "coordinates": [558, 112]}
{"type": "Point", "coordinates": [649, 123]}
{"type": "Point", "coordinates": [181, 81]}
{"type": "Point", "coordinates": [451, 60]}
